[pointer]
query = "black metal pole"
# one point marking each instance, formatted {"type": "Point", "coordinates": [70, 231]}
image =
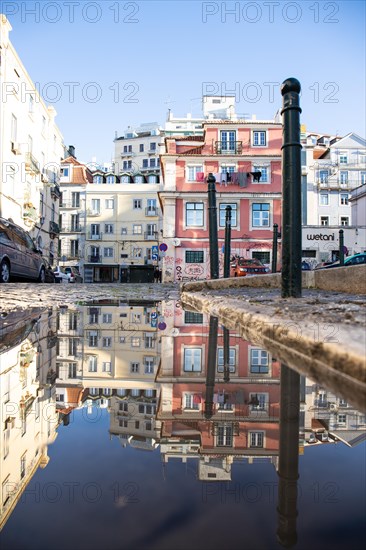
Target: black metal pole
{"type": "Point", "coordinates": [227, 250]}
{"type": "Point", "coordinates": [212, 221]}
{"type": "Point", "coordinates": [211, 367]}
{"type": "Point", "coordinates": [226, 335]}
{"type": "Point", "coordinates": [291, 190]}
{"type": "Point", "coordinates": [288, 461]}
{"type": "Point", "coordinates": [341, 247]}
{"type": "Point", "coordinates": [274, 248]}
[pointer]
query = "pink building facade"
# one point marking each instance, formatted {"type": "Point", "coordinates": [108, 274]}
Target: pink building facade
{"type": "Point", "coordinates": [232, 151]}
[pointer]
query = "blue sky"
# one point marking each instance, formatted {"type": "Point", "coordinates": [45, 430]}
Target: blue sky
{"type": "Point", "coordinates": [107, 65]}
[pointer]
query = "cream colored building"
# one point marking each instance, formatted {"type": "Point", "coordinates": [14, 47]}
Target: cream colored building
{"type": "Point", "coordinates": [31, 149]}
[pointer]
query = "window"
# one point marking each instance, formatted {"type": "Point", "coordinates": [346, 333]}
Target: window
{"type": "Point", "coordinates": [137, 252]}
{"type": "Point", "coordinates": [151, 230]}
{"type": "Point", "coordinates": [344, 220]}
{"type": "Point", "coordinates": [259, 361]}
{"type": "Point", "coordinates": [262, 255]}
{"type": "Point", "coordinates": [258, 401]}
{"type": "Point", "coordinates": [192, 172]}
{"type": "Point", "coordinates": [135, 367]}
{"type": "Point", "coordinates": [194, 214]}
{"type": "Point", "coordinates": [111, 179]}
{"type": "Point", "coordinates": [152, 146]}
{"type": "Point", "coordinates": [98, 179]}
{"type": "Point", "coordinates": [341, 419]}
{"type": "Point", "coordinates": [135, 318]}
{"type": "Point", "coordinates": [108, 252]}
{"type": "Point", "coordinates": [141, 147]}
{"type": "Point", "coordinates": [73, 346]}
{"type": "Point", "coordinates": [95, 231]}
{"type": "Point", "coordinates": [222, 213]}
{"type": "Point", "coordinates": [256, 439]}
{"type": "Point", "coordinates": [95, 206]}
{"type": "Point", "coordinates": [145, 163]}
{"type": "Point", "coordinates": [189, 401]}
{"type": "Point", "coordinates": [264, 173]}
{"type": "Point", "coordinates": [193, 318]}
{"type": "Point", "coordinates": [152, 163]}
{"type": "Point", "coordinates": [93, 364]}
{"type": "Point", "coordinates": [343, 177]}
{"type": "Point", "coordinates": [324, 199]}
{"type": "Point", "coordinates": [363, 178]}
{"type": "Point", "coordinates": [75, 200]}
{"type": "Point", "coordinates": [194, 256]}
{"type": "Point", "coordinates": [343, 158]}
{"type": "Point", "coordinates": [93, 338]}
{"type": "Point", "coordinates": [137, 204]}
{"type": "Point", "coordinates": [122, 423]}
{"type": "Point", "coordinates": [109, 204]}
{"type": "Point", "coordinates": [149, 365]}
{"type": "Point", "coordinates": [135, 342]}
{"type": "Point", "coordinates": [260, 214]}
{"type": "Point", "coordinates": [31, 104]}
{"type": "Point", "coordinates": [107, 366]}
{"type": "Point", "coordinates": [220, 359]}
{"type": "Point", "coordinates": [225, 436]}
{"type": "Point", "coordinates": [137, 229]}
{"type": "Point", "coordinates": [323, 176]}
{"type": "Point", "coordinates": [107, 318]}
{"type": "Point", "coordinates": [149, 341]}
{"type": "Point", "coordinates": [124, 231]}
{"type": "Point", "coordinates": [324, 220]}
{"type": "Point", "coordinates": [228, 141]}
{"type": "Point", "coordinates": [122, 339]}
{"type": "Point", "coordinates": [107, 342]}
{"type": "Point", "coordinates": [343, 198]}
{"type": "Point", "coordinates": [109, 228]}
{"type": "Point", "coordinates": [72, 370]}
{"type": "Point", "coordinates": [127, 165]}
{"type": "Point", "coordinates": [192, 360]}
{"type": "Point", "coordinates": [259, 139]}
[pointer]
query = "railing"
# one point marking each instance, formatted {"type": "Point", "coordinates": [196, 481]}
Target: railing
{"type": "Point", "coordinates": [95, 259]}
{"type": "Point", "coordinates": [54, 228]}
{"type": "Point", "coordinates": [127, 154]}
{"type": "Point", "coordinates": [228, 147]}
{"type": "Point", "coordinates": [148, 236]}
{"type": "Point", "coordinates": [72, 229]}
{"type": "Point", "coordinates": [31, 164]}
{"type": "Point", "coordinates": [150, 211]}
{"type": "Point", "coordinates": [56, 191]}
{"type": "Point", "coordinates": [335, 183]}
{"type": "Point", "coordinates": [69, 204]}
{"type": "Point", "coordinates": [93, 237]}
{"type": "Point", "coordinates": [91, 212]}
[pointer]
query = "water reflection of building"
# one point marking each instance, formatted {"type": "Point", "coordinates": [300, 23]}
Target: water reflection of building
{"type": "Point", "coordinates": [245, 416]}
{"type": "Point", "coordinates": [27, 392]}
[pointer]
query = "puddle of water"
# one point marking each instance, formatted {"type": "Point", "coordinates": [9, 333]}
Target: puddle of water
{"type": "Point", "coordinates": [138, 424]}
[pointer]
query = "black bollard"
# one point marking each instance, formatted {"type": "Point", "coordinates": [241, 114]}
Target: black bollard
{"type": "Point", "coordinates": [341, 247]}
{"type": "Point", "coordinates": [227, 250]}
{"type": "Point", "coordinates": [211, 367]}
{"type": "Point", "coordinates": [291, 190]}
{"type": "Point", "coordinates": [226, 335]}
{"type": "Point", "coordinates": [212, 222]}
{"type": "Point", "coordinates": [274, 248]}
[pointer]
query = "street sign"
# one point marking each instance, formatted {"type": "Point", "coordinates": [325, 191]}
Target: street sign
{"type": "Point", "coordinates": [154, 256]}
{"type": "Point", "coordinates": [163, 247]}
{"type": "Point", "coordinates": [154, 249]}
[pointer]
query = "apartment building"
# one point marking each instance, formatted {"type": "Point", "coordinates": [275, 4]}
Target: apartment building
{"type": "Point", "coordinates": [28, 417]}
{"type": "Point", "coordinates": [31, 149]}
{"type": "Point", "coordinates": [137, 150]}
{"type": "Point", "coordinates": [74, 178]}
{"type": "Point", "coordinates": [245, 158]}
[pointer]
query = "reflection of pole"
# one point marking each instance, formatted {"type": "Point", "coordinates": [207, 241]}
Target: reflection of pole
{"type": "Point", "coordinates": [227, 250]}
{"type": "Point", "coordinates": [291, 190]}
{"type": "Point", "coordinates": [226, 335]}
{"type": "Point", "coordinates": [288, 468]}
{"type": "Point", "coordinates": [211, 367]}
{"type": "Point", "coordinates": [212, 221]}
{"type": "Point", "coordinates": [274, 248]}
{"type": "Point", "coordinates": [341, 247]}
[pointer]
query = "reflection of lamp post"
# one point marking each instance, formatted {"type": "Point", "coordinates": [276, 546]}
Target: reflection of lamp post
{"type": "Point", "coordinates": [288, 464]}
{"type": "Point", "coordinates": [211, 366]}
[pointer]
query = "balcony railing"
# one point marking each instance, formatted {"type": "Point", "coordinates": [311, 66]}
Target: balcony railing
{"type": "Point", "coordinates": [69, 204]}
{"type": "Point", "coordinates": [125, 154]}
{"type": "Point", "coordinates": [94, 237]}
{"type": "Point", "coordinates": [31, 164]}
{"type": "Point", "coordinates": [228, 147]}
{"type": "Point", "coordinates": [150, 211]}
{"type": "Point", "coordinates": [92, 212]}
{"type": "Point", "coordinates": [150, 236]}
{"type": "Point", "coordinates": [54, 228]}
{"type": "Point", "coordinates": [56, 191]}
{"type": "Point", "coordinates": [72, 229]}
{"type": "Point", "coordinates": [95, 259]}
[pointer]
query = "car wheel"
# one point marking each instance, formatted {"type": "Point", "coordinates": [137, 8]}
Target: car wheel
{"type": "Point", "coordinates": [4, 272]}
{"type": "Point", "coordinates": [42, 276]}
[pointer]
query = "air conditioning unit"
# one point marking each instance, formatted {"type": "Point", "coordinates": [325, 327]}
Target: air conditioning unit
{"type": "Point", "coordinates": [15, 147]}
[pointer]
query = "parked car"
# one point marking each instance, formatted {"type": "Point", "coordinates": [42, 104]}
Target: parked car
{"type": "Point", "coordinates": [243, 267]}
{"type": "Point", "coordinates": [356, 259]}
{"type": "Point", "coordinates": [19, 256]}
{"type": "Point", "coordinates": [60, 276]}
{"type": "Point", "coordinates": [73, 274]}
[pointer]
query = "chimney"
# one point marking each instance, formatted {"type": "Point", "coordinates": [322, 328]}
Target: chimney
{"type": "Point", "coordinates": [72, 151]}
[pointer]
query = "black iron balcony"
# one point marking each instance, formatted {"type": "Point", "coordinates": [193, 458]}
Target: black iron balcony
{"type": "Point", "coordinates": [56, 191]}
{"type": "Point", "coordinates": [228, 147]}
{"type": "Point", "coordinates": [94, 259]}
{"type": "Point", "coordinates": [54, 228]}
{"type": "Point", "coordinates": [71, 229]}
{"type": "Point", "coordinates": [150, 235]}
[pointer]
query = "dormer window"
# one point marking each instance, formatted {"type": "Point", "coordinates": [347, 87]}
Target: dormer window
{"type": "Point", "coordinates": [64, 172]}
{"type": "Point", "coordinates": [111, 179]}
{"type": "Point", "coordinates": [98, 179]}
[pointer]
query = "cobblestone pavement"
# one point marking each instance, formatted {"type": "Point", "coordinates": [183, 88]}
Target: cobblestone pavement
{"type": "Point", "coordinates": [27, 295]}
